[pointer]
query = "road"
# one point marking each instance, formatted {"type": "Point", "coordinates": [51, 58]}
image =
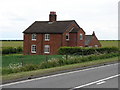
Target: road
{"type": "Point", "coordinates": [97, 77]}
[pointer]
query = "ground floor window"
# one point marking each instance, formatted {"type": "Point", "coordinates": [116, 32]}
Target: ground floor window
{"type": "Point", "coordinates": [96, 45]}
{"type": "Point", "coordinates": [33, 49]}
{"type": "Point", "coordinates": [81, 46]}
{"type": "Point", "coordinates": [47, 49]}
{"type": "Point", "coordinates": [90, 46]}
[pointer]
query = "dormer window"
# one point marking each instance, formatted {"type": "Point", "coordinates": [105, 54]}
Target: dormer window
{"type": "Point", "coordinates": [67, 36]}
{"type": "Point", "coordinates": [47, 37]}
{"type": "Point", "coordinates": [81, 36]}
{"type": "Point", "coordinates": [33, 36]}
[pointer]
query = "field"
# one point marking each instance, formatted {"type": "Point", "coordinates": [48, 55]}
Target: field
{"type": "Point", "coordinates": [19, 58]}
{"type": "Point", "coordinates": [105, 43]}
{"type": "Point", "coordinates": [12, 43]}
{"type": "Point", "coordinates": [109, 43]}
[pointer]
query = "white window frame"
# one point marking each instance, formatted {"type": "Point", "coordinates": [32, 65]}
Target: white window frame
{"type": "Point", "coordinates": [34, 37]}
{"type": "Point", "coordinates": [33, 48]}
{"type": "Point", "coordinates": [47, 37]}
{"type": "Point", "coordinates": [96, 45]}
{"type": "Point", "coordinates": [67, 34]}
{"type": "Point", "coordinates": [48, 49]}
{"type": "Point", "coordinates": [81, 36]}
{"type": "Point", "coordinates": [90, 46]}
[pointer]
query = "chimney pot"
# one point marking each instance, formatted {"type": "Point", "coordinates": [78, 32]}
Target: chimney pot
{"type": "Point", "coordinates": [52, 12]}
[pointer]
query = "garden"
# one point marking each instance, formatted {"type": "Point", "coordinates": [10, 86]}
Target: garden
{"type": "Point", "coordinates": [13, 61]}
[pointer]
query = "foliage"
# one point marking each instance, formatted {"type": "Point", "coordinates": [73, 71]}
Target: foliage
{"type": "Point", "coordinates": [58, 62]}
{"type": "Point", "coordinates": [86, 51]}
{"type": "Point", "coordinates": [10, 50]}
{"type": "Point", "coordinates": [12, 59]}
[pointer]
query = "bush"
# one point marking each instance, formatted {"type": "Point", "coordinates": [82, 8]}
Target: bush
{"type": "Point", "coordinates": [86, 51]}
{"type": "Point", "coordinates": [7, 71]}
{"type": "Point", "coordinates": [10, 50]}
{"type": "Point", "coordinates": [59, 62]}
{"type": "Point", "coordinates": [29, 67]}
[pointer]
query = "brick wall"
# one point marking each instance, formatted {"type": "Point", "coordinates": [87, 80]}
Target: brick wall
{"type": "Point", "coordinates": [94, 42]}
{"type": "Point", "coordinates": [55, 43]}
{"type": "Point", "coordinates": [81, 42]}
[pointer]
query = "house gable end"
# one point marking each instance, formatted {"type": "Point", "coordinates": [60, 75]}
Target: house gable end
{"type": "Point", "coordinates": [94, 42]}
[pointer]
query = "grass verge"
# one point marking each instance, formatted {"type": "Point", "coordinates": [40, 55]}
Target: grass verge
{"type": "Point", "coordinates": [55, 69]}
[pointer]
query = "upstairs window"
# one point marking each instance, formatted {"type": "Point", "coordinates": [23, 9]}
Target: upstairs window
{"type": "Point", "coordinates": [33, 36]}
{"type": "Point", "coordinates": [47, 49]}
{"type": "Point", "coordinates": [47, 37]}
{"type": "Point", "coordinates": [67, 36]}
{"type": "Point", "coordinates": [81, 36]}
{"type": "Point", "coordinates": [33, 49]}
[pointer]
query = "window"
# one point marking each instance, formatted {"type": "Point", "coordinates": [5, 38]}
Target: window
{"type": "Point", "coordinates": [67, 36]}
{"type": "Point", "coordinates": [96, 45]}
{"type": "Point", "coordinates": [47, 49]}
{"type": "Point", "coordinates": [33, 36]}
{"type": "Point", "coordinates": [81, 36]}
{"type": "Point", "coordinates": [47, 37]}
{"type": "Point", "coordinates": [33, 48]}
{"type": "Point", "coordinates": [90, 46]}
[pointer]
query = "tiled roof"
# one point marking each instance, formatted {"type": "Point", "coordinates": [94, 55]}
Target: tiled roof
{"type": "Point", "coordinates": [75, 30]}
{"type": "Point", "coordinates": [49, 27]}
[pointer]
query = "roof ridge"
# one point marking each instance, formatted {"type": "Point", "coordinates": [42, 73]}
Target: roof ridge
{"type": "Point", "coordinates": [58, 21]}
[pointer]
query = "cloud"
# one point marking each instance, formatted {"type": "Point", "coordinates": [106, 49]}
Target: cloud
{"type": "Point", "coordinates": [92, 15]}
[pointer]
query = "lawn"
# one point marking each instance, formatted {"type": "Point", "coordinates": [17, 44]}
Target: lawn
{"type": "Point", "coordinates": [19, 58]}
{"type": "Point", "coordinates": [25, 59]}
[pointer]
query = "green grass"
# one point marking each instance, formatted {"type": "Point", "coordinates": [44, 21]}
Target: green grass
{"type": "Point", "coordinates": [26, 59]}
{"type": "Point", "coordinates": [109, 43]}
{"type": "Point", "coordinates": [18, 58]}
{"type": "Point", "coordinates": [50, 70]}
{"type": "Point", "coordinates": [12, 43]}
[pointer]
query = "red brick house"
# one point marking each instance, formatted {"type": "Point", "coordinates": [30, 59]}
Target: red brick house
{"type": "Point", "coordinates": [46, 37]}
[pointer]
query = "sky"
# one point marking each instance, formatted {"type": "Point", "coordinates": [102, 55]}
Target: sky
{"type": "Point", "coordinates": [100, 16]}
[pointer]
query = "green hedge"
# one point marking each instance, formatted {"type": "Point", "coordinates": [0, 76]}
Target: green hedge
{"type": "Point", "coordinates": [86, 51]}
{"type": "Point", "coordinates": [11, 50]}
{"type": "Point", "coordinates": [58, 62]}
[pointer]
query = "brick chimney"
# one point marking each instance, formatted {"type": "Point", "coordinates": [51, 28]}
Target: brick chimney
{"type": "Point", "coordinates": [52, 16]}
{"type": "Point", "coordinates": [93, 33]}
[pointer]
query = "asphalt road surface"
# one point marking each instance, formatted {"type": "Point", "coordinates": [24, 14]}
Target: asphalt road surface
{"type": "Point", "coordinates": [97, 77]}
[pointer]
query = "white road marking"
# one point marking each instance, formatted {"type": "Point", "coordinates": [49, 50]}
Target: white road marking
{"type": "Point", "coordinates": [56, 75]}
{"type": "Point", "coordinates": [88, 84]}
{"type": "Point", "coordinates": [101, 82]}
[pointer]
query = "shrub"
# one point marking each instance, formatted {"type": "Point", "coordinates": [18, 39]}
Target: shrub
{"type": "Point", "coordinates": [29, 67]}
{"type": "Point", "coordinates": [7, 71]}
{"type": "Point", "coordinates": [86, 51]}
{"type": "Point", "coordinates": [10, 50]}
{"type": "Point", "coordinates": [59, 62]}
